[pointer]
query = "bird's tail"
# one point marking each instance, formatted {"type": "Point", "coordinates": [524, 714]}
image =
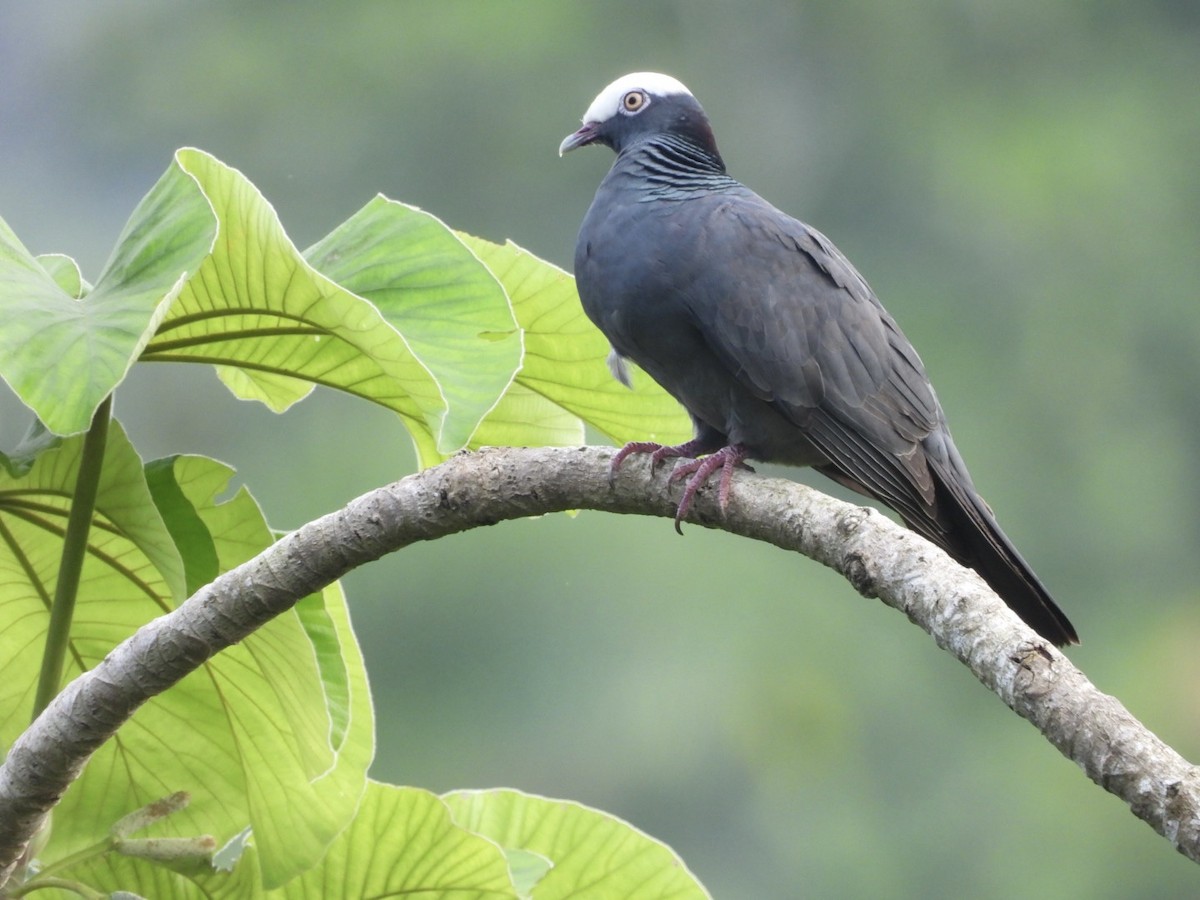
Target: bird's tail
{"type": "Point", "coordinates": [948, 511]}
{"type": "Point", "coordinates": [970, 534]}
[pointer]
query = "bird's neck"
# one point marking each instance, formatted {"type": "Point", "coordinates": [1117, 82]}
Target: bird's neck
{"type": "Point", "coordinates": [670, 165]}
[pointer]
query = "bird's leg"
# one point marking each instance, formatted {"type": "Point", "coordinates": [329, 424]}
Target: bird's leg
{"type": "Point", "coordinates": [726, 459]}
{"type": "Point", "coordinates": [658, 452]}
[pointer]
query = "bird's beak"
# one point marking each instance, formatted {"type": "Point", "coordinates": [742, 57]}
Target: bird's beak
{"type": "Point", "coordinates": [581, 138]}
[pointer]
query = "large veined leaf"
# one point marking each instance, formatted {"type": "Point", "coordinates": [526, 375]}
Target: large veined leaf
{"type": "Point", "coordinates": [471, 343]}
{"type": "Point", "coordinates": [128, 545]}
{"type": "Point", "coordinates": [467, 844]}
{"type": "Point", "coordinates": [453, 296]}
{"type": "Point", "coordinates": [582, 852]}
{"type": "Point", "coordinates": [564, 368]}
{"type": "Point", "coordinates": [403, 312]}
{"type": "Point", "coordinates": [276, 326]}
{"type": "Point", "coordinates": [275, 733]}
{"type": "Point", "coordinates": [330, 805]}
{"type": "Point", "coordinates": [403, 843]}
{"type": "Point", "coordinates": [63, 355]}
{"type": "Point", "coordinates": [452, 311]}
{"type": "Point", "coordinates": [525, 418]}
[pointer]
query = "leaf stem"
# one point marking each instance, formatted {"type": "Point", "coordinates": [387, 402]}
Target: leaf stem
{"type": "Point", "coordinates": [83, 504]}
{"type": "Point", "coordinates": [91, 852]}
{"type": "Point", "coordinates": [62, 884]}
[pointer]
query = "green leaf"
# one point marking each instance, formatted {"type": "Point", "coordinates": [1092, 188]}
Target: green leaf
{"type": "Point", "coordinates": [525, 418]}
{"type": "Point", "coordinates": [65, 272]}
{"type": "Point", "coordinates": [297, 705]}
{"type": "Point", "coordinates": [276, 732]}
{"type": "Point", "coordinates": [403, 842]}
{"type": "Point", "coordinates": [36, 441]}
{"type": "Point", "coordinates": [188, 531]}
{"type": "Point", "coordinates": [467, 844]}
{"type": "Point", "coordinates": [129, 552]}
{"type": "Point", "coordinates": [306, 777]}
{"type": "Point", "coordinates": [591, 853]}
{"type": "Point", "coordinates": [565, 364]}
{"type": "Point", "coordinates": [451, 310]}
{"type": "Point", "coordinates": [63, 355]}
{"type": "Point", "coordinates": [527, 869]}
{"type": "Point", "coordinates": [276, 324]}
{"type": "Point", "coordinates": [276, 391]}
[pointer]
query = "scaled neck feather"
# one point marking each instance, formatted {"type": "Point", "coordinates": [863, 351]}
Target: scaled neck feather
{"type": "Point", "coordinates": [673, 166]}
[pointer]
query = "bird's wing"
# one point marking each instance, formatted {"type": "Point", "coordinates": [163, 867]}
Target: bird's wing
{"type": "Point", "coordinates": [795, 322]}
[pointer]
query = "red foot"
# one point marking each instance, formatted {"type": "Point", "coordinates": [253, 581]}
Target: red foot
{"type": "Point", "coordinates": [658, 452]}
{"type": "Point", "coordinates": [726, 459]}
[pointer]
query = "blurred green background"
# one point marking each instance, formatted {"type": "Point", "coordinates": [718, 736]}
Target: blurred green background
{"type": "Point", "coordinates": [1019, 183]}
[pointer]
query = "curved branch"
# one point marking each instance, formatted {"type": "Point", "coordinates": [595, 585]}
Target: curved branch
{"type": "Point", "coordinates": [878, 557]}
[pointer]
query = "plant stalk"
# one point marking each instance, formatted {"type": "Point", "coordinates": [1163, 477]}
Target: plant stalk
{"type": "Point", "coordinates": [62, 609]}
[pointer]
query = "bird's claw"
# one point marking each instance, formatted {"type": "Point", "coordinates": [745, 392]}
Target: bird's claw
{"type": "Point", "coordinates": [629, 450]}
{"type": "Point", "coordinates": [698, 471]}
{"type": "Point", "coordinates": [658, 452]}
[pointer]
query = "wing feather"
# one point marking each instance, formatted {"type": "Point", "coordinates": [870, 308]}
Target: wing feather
{"type": "Point", "coordinates": [794, 322]}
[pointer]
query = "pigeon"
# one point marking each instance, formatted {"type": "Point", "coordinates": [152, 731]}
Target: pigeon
{"type": "Point", "coordinates": [768, 336]}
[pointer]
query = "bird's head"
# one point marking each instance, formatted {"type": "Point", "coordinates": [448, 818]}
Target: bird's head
{"type": "Point", "coordinates": [640, 106]}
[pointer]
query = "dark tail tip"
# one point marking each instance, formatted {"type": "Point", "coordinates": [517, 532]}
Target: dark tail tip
{"type": "Point", "coordinates": [976, 540]}
{"type": "Point", "coordinates": [1010, 577]}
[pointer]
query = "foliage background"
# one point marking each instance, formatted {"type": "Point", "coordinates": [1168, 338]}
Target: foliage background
{"type": "Point", "coordinates": [1018, 183]}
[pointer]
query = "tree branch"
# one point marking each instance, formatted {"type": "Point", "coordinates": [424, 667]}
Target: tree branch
{"type": "Point", "coordinates": [878, 557]}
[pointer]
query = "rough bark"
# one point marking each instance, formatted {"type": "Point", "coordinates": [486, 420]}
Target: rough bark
{"type": "Point", "coordinates": [879, 558]}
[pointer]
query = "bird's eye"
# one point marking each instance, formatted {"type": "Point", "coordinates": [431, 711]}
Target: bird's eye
{"type": "Point", "coordinates": [633, 101]}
